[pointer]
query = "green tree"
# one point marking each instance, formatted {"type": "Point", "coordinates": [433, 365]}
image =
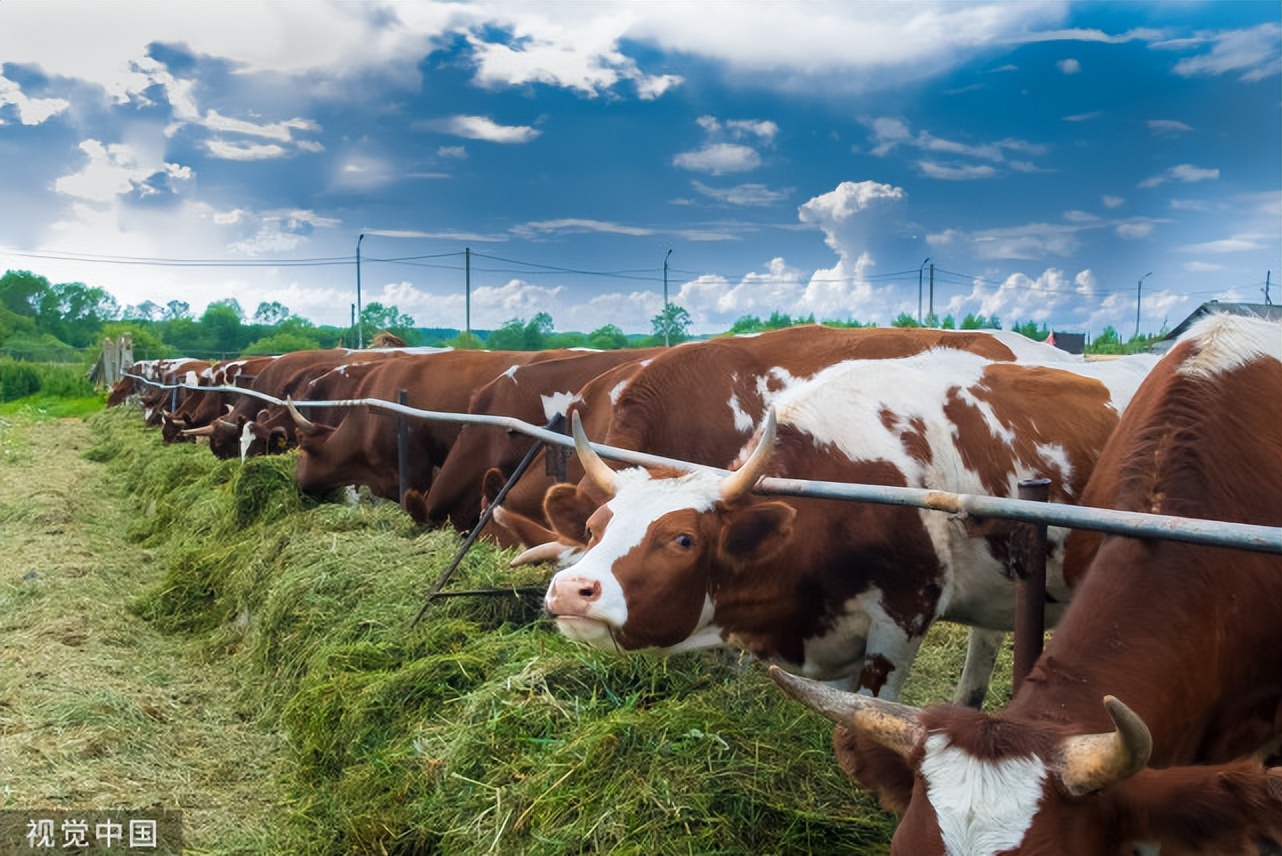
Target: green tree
{"type": "Point", "coordinates": [904, 320]}
{"type": "Point", "coordinates": [270, 314]}
{"type": "Point", "coordinates": [1030, 330]}
{"type": "Point", "coordinates": [176, 309]}
{"type": "Point", "coordinates": [220, 331]}
{"type": "Point", "coordinates": [22, 292]}
{"type": "Point", "coordinates": [747, 324]}
{"type": "Point", "coordinates": [778, 320]}
{"type": "Point", "coordinates": [607, 338]}
{"type": "Point", "coordinates": [375, 317]}
{"type": "Point", "coordinates": [669, 326]}
{"type": "Point", "coordinates": [979, 322]}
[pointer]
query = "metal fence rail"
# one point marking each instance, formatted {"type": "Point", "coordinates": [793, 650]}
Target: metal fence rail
{"type": "Point", "coordinates": [1261, 539]}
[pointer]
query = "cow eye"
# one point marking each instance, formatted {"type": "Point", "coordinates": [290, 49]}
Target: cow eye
{"type": "Point", "coordinates": [684, 541]}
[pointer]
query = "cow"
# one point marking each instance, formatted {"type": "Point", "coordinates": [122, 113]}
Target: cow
{"type": "Point", "coordinates": [254, 426]}
{"type": "Point", "coordinates": [153, 376]}
{"type": "Point", "coordinates": [701, 402]}
{"type": "Point", "coordinates": [533, 393]}
{"type": "Point", "coordinates": [200, 408]}
{"type": "Point", "coordinates": [837, 590]}
{"type": "Point", "coordinates": [520, 520]}
{"type": "Point", "coordinates": [362, 449]}
{"type": "Point", "coordinates": [1142, 726]}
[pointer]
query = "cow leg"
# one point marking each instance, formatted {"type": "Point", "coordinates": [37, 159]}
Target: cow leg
{"type": "Point", "coordinates": [888, 657]}
{"type": "Point", "coordinates": [981, 655]}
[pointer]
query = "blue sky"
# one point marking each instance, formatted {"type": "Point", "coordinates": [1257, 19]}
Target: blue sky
{"type": "Point", "coordinates": [794, 157]}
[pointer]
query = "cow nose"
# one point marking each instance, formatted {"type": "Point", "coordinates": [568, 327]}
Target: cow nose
{"type": "Point", "coordinates": [572, 595]}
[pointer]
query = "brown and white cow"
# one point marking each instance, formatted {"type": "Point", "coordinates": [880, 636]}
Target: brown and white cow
{"type": "Point", "coordinates": [702, 401]}
{"type": "Point", "coordinates": [361, 449]}
{"type": "Point", "coordinates": [837, 589]}
{"type": "Point", "coordinates": [533, 393]}
{"type": "Point", "coordinates": [1188, 637]}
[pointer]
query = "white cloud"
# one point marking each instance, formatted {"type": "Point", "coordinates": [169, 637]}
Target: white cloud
{"type": "Point", "coordinates": [1254, 53]}
{"type": "Point", "coordinates": [1020, 297]}
{"type": "Point", "coordinates": [719, 159]}
{"type": "Point", "coordinates": [115, 170]}
{"type": "Point", "coordinates": [743, 194]}
{"type": "Point", "coordinates": [1132, 230]}
{"type": "Point", "coordinates": [1167, 127]}
{"type": "Point", "coordinates": [1234, 244]}
{"type": "Point", "coordinates": [31, 111]}
{"type": "Point", "coordinates": [452, 152]}
{"type": "Point", "coordinates": [950, 172]}
{"type": "Point", "coordinates": [1112, 201]}
{"type": "Point", "coordinates": [1084, 117]}
{"type": "Point", "coordinates": [244, 151]}
{"type": "Point", "coordinates": [887, 134]}
{"type": "Point", "coordinates": [1069, 66]}
{"type": "Point", "coordinates": [576, 225]}
{"type": "Point", "coordinates": [480, 128]}
{"type": "Point", "coordinates": [1184, 172]}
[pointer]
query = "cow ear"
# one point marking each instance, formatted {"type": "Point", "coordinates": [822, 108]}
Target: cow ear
{"type": "Point", "coordinates": [758, 530]}
{"type": "Point", "coordinates": [874, 767]}
{"type": "Point", "coordinates": [568, 512]}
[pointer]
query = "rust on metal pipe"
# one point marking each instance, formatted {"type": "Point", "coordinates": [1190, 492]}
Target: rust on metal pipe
{"type": "Point", "coordinates": [1028, 560]}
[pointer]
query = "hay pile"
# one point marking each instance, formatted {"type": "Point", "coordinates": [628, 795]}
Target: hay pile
{"type": "Point", "coordinates": [481, 730]}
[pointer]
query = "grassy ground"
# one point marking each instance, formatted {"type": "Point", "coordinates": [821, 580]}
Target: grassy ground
{"type": "Point", "coordinates": [97, 708]}
{"type": "Point", "coordinates": [181, 632]}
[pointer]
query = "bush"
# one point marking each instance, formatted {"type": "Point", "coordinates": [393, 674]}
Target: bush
{"type": "Point", "coordinates": [19, 379]}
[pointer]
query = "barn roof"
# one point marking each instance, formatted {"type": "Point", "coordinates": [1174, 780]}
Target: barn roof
{"type": "Point", "coordinates": [1267, 311]}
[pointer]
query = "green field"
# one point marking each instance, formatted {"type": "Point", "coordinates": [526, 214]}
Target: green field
{"type": "Point", "coordinates": [184, 633]}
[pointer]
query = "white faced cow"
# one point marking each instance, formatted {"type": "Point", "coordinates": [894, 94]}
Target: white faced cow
{"type": "Point", "coordinates": [836, 589]}
{"type": "Point", "coordinates": [1189, 637]}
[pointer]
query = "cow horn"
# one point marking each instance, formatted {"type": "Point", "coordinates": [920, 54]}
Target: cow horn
{"type": "Point", "coordinates": [890, 724]}
{"type": "Point", "coordinates": [742, 480]}
{"type": "Point", "coordinates": [553, 551]}
{"type": "Point", "coordinates": [304, 424]}
{"type": "Point", "coordinates": [1088, 762]}
{"type": "Point", "coordinates": [202, 431]}
{"type": "Point", "coordinates": [594, 468]}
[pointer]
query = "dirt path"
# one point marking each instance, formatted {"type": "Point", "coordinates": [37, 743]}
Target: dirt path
{"type": "Point", "coordinates": [98, 710]}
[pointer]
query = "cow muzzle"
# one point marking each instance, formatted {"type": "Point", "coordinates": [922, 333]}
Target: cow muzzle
{"type": "Point", "coordinates": [571, 596]}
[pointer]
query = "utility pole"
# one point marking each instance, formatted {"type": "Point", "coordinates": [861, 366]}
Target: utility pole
{"type": "Point", "coordinates": [360, 340]}
{"type": "Point", "coordinates": [667, 319]}
{"type": "Point", "coordinates": [919, 270]}
{"type": "Point", "coordinates": [1138, 291]}
{"type": "Point", "coordinates": [467, 293]}
{"type": "Point", "coordinates": [933, 321]}
{"type": "Point", "coordinates": [1268, 275]}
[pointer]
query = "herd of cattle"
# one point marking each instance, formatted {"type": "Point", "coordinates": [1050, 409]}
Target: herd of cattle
{"type": "Point", "coordinates": [1148, 725]}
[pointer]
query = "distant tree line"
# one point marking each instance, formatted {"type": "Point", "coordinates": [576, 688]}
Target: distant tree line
{"type": "Point", "coordinates": [46, 322]}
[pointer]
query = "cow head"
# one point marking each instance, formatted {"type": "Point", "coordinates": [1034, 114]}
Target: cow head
{"type": "Point", "coordinates": [656, 548]}
{"type": "Point", "coordinates": [979, 785]}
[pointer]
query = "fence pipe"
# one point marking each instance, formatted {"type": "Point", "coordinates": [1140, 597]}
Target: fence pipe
{"type": "Point", "coordinates": [1028, 561]}
{"type": "Point", "coordinates": [403, 446]}
{"type": "Point", "coordinates": [1214, 533]}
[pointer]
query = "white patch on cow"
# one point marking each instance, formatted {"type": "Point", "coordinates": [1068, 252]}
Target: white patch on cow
{"type": "Point", "coordinates": [511, 373]}
{"type": "Point", "coordinates": [1225, 342]}
{"type": "Point", "coordinates": [246, 438]}
{"type": "Point", "coordinates": [742, 421]}
{"type": "Point", "coordinates": [191, 379]}
{"type": "Point", "coordinates": [983, 807]}
{"type": "Point", "coordinates": [618, 390]}
{"type": "Point", "coordinates": [639, 500]}
{"type": "Point", "coordinates": [557, 404]}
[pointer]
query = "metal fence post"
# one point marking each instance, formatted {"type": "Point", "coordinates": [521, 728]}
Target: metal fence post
{"type": "Point", "coordinates": [403, 445]}
{"type": "Point", "coordinates": [1028, 555]}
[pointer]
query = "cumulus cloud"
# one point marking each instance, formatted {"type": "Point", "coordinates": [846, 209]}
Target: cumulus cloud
{"type": "Point", "coordinates": [31, 111]}
{"type": "Point", "coordinates": [117, 169]}
{"type": "Point", "coordinates": [719, 159]}
{"type": "Point", "coordinates": [1069, 66]}
{"type": "Point", "coordinates": [1021, 297]}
